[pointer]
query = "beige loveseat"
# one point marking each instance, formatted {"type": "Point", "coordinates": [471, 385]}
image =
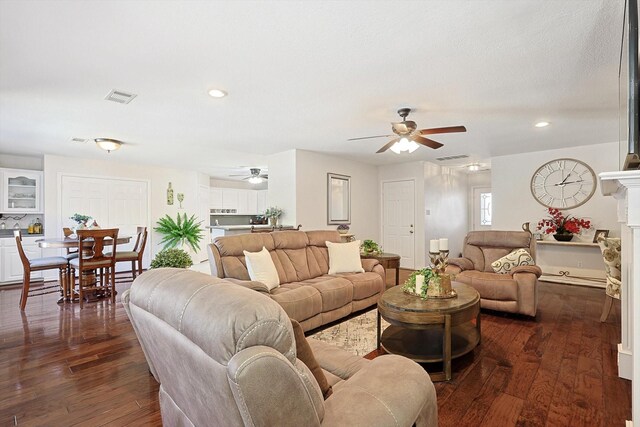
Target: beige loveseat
{"type": "Point", "coordinates": [307, 292]}
{"type": "Point", "coordinates": [226, 356]}
{"type": "Point", "coordinates": [516, 292]}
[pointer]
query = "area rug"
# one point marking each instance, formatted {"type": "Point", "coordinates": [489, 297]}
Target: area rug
{"type": "Point", "coordinates": [357, 335]}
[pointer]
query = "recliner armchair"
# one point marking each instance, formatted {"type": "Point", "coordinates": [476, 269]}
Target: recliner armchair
{"type": "Point", "coordinates": [226, 355]}
{"type": "Point", "coordinates": [513, 293]}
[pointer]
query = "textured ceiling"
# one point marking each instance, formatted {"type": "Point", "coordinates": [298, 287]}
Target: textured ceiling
{"type": "Point", "coordinates": [306, 75]}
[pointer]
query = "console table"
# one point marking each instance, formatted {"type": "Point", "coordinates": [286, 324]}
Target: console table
{"type": "Point", "coordinates": [573, 263]}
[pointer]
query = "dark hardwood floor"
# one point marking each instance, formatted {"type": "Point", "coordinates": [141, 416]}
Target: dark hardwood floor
{"type": "Point", "coordinates": [63, 366]}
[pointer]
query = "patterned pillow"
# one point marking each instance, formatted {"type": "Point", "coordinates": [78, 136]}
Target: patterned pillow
{"type": "Point", "coordinates": [514, 259]}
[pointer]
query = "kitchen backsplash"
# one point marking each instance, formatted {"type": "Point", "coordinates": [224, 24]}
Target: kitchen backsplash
{"type": "Point", "coordinates": [10, 221]}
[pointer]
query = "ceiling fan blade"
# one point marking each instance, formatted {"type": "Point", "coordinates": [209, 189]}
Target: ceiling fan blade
{"type": "Point", "coordinates": [388, 145]}
{"type": "Point", "coordinates": [369, 137]}
{"type": "Point", "coordinates": [448, 129]}
{"type": "Point", "coordinates": [426, 141]}
{"type": "Point", "coordinates": [242, 174]}
{"type": "Point", "coordinates": [401, 128]}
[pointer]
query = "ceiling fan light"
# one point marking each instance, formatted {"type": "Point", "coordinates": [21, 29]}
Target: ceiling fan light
{"type": "Point", "coordinates": [255, 180]}
{"type": "Point", "coordinates": [473, 167]}
{"type": "Point", "coordinates": [413, 146]}
{"type": "Point", "coordinates": [108, 144]}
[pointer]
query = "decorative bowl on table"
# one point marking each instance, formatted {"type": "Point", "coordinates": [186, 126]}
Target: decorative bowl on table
{"type": "Point", "coordinates": [343, 229]}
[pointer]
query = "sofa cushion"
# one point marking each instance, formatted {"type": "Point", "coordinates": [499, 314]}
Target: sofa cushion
{"type": "Point", "coordinates": [261, 268]}
{"type": "Point", "coordinates": [293, 265]}
{"type": "Point", "coordinates": [365, 284]}
{"type": "Point", "coordinates": [516, 258]}
{"type": "Point", "coordinates": [336, 292]}
{"type": "Point", "coordinates": [344, 257]}
{"type": "Point", "coordinates": [491, 286]}
{"type": "Point", "coordinates": [300, 302]}
{"type": "Point", "coordinates": [305, 354]}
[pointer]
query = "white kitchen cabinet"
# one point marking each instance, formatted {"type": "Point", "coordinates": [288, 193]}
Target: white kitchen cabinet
{"type": "Point", "coordinates": [11, 269]}
{"type": "Point", "coordinates": [215, 198]}
{"type": "Point", "coordinates": [230, 198]}
{"type": "Point", "coordinates": [252, 202]}
{"type": "Point", "coordinates": [261, 201]}
{"type": "Point", "coordinates": [243, 205]}
{"type": "Point", "coordinates": [21, 191]}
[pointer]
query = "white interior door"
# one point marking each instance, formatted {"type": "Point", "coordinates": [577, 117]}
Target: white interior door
{"type": "Point", "coordinates": [398, 220]}
{"type": "Point", "coordinates": [113, 203]}
{"type": "Point", "coordinates": [481, 208]}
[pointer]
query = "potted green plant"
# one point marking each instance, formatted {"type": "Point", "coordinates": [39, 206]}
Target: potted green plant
{"type": "Point", "coordinates": [176, 258]}
{"type": "Point", "coordinates": [80, 219]}
{"type": "Point", "coordinates": [369, 247]}
{"type": "Point", "coordinates": [273, 213]}
{"type": "Point", "coordinates": [183, 231]}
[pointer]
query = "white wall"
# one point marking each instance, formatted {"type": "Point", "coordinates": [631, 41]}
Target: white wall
{"type": "Point", "coordinates": [282, 185]}
{"type": "Point", "coordinates": [446, 200]}
{"type": "Point", "coordinates": [182, 182]}
{"type": "Point", "coordinates": [20, 162]}
{"type": "Point", "coordinates": [311, 193]}
{"type": "Point", "coordinates": [513, 203]}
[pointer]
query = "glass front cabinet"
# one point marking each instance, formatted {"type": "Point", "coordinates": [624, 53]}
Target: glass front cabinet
{"type": "Point", "coordinates": [21, 191]}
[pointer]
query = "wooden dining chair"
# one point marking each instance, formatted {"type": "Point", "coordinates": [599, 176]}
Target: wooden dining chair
{"type": "Point", "coordinates": [91, 247]}
{"type": "Point", "coordinates": [134, 256]}
{"type": "Point", "coordinates": [40, 264]}
{"type": "Point", "coordinates": [71, 252]}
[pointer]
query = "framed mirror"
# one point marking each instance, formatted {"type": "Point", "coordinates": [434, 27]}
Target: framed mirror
{"type": "Point", "coordinates": [338, 199]}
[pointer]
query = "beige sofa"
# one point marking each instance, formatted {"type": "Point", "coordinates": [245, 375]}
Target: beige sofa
{"type": "Point", "coordinates": [514, 293]}
{"type": "Point", "coordinates": [226, 356]}
{"type": "Point", "coordinates": [307, 292]}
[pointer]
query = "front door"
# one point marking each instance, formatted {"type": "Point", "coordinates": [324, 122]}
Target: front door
{"type": "Point", "coordinates": [398, 220]}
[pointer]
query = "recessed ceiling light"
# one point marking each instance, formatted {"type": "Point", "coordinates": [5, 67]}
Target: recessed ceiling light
{"type": "Point", "coordinates": [542, 124]}
{"type": "Point", "coordinates": [217, 93]}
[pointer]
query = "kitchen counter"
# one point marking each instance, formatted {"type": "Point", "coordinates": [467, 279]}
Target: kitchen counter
{"type": "Point", "coordinates": [230, 230]}
{"type": "Point", "coordinates": [8, 233]}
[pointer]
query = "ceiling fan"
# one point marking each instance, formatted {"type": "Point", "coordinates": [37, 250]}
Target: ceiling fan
{"type": "Point", "coordinates": [409, 137]}
{"type": "Point", "coordinates": [255, 177]}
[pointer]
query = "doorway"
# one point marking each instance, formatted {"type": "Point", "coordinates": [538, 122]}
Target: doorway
{"type": "Point", "coordinates": [398, 220]}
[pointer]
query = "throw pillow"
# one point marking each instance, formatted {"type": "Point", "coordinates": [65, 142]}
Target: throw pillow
{"type": "Point", "coordinates": [305, 354]}
{"type": "Point", "coordinates": [344, 257]}
{"type": "Point", "coordinates": [514, 259]}
{"type": "Point", "coordinates": [261, 268]}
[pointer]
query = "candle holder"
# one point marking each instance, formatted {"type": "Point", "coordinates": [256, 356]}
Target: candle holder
{"type": "Point", "coordinates": [442, 286]}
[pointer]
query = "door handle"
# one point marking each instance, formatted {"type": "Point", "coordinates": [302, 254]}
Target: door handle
{"type": "Point", "coordinates": [411, 226]}
{"type": "Point", "coordinates": [410, 231]}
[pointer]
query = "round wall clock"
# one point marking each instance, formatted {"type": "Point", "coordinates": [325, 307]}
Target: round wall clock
{"type": "Point", "coordinates": [563, 183]}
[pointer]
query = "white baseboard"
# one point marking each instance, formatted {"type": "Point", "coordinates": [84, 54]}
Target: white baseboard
{"type": "Point", "coordinates": [625, 363]}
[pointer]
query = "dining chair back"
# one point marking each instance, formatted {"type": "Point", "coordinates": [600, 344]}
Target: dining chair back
{"type": "Point", "coordinates": [39, 264]}
{"type": "Point", "coordinates": [91, 245]}
{"type": "Point", "coordinates": [135, 256]}
{"type": "Point", "coordinates": [71, 252]}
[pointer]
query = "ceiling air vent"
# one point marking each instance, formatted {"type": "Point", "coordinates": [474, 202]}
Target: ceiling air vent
{"type": "Point", "coordinates": [459, 156]}
{"type": "Point", "coordinates": [79, 140]}
{"type": "Point", "coordinates": [120, 97]}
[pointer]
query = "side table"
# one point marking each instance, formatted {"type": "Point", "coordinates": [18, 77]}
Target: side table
{"type": "Point", "coordinates": [387, 260]}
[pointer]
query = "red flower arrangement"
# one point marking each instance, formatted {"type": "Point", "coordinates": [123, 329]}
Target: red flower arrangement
{"type": "Point", "coordinates": [559, 224]}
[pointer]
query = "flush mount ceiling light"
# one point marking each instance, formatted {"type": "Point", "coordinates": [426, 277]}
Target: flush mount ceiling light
{"type": "Point", "coordinates": [542, 124]}
{"type": "Point", "coordinates": [473, 167]}
{"type": "Point", "coordinates": [108, 144]}
{"type": "Point", "coordinates": [404, 145]}
{"type": "Point", "coordinates": [217, 93]}
{"type": "Point", "coordinates": [255, 180]}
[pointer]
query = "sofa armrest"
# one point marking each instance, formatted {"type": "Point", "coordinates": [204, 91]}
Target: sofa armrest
{"type": "Point", "coordinates": [250, 284]}
{"type": "Point", "coordinates": [389, 391]}
{"type": "Point", "coordinates": [369, 263]}
{"type": "Point", "coordinates": [452, 269]}
{"type": "Point", "coordinates": [462, 263]}
{"type": "Point", "coordinates": [533, 269]}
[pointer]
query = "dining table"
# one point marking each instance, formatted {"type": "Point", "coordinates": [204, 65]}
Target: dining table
{"type": "Point", "coordinates": [68, 242]}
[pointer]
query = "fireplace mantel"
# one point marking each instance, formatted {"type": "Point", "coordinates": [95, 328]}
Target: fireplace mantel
{"type": "Point", "coordinates": [624, 186]}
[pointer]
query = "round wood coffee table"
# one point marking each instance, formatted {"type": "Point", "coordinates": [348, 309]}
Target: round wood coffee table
{"type": "Point", "coordinates": [431, 330]}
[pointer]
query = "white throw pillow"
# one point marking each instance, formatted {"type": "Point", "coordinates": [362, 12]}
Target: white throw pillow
{"type": "Point", "coordinates": [261, 268]}
{"type": "Point", "coordinates": [344, 257]}
{"type": "Point", "coordinates": [514, 259]}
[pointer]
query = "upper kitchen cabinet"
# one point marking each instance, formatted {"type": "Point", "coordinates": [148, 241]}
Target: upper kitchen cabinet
{"type": "Point", "coordinates": [21, 191]}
